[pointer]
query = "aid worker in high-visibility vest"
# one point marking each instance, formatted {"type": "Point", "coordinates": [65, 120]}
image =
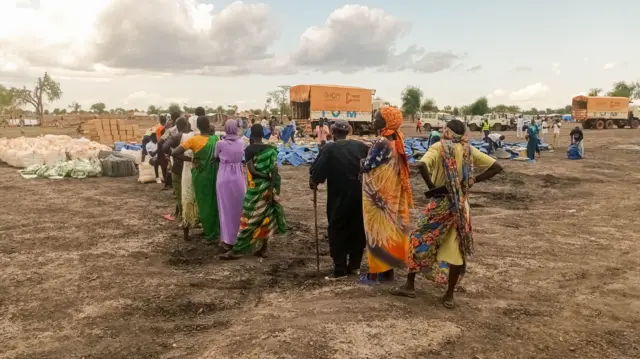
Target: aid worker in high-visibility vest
{"type": "Point", "coordinates": [486, 128]}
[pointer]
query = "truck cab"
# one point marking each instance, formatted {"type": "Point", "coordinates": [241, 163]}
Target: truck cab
{"type": "Point", "coordinates": [497, 122]}
{"type": "Point", "coordinates": [435, 120]}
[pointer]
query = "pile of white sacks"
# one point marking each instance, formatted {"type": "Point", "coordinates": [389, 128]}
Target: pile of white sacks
{"type": "Point", "coordinates": [47, 150]}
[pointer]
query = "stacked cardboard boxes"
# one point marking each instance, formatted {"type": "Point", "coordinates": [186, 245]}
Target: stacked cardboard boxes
{"type": "Point", "coordinates": [108, 131]}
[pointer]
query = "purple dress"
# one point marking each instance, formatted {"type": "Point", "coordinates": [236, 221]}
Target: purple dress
{"type": "Point", "coordinates": [231, 187]}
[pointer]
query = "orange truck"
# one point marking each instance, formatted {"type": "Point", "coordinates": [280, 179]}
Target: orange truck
{"type": "Point", "coordinates": [601, 112]}
{"type": "Point", "coordinates": [309, 103]}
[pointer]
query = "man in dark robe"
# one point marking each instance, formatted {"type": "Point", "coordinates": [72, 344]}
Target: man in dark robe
{"type": "Point", "coordinates": [339, 164]}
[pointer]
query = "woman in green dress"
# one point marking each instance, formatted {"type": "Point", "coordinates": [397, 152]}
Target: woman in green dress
{"type": "Point", "coordinates": [262, 214]}
{"type": "Point", "coordinates": [204, 173]}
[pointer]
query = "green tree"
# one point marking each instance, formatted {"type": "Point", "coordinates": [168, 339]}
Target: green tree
{"type": "Point", "coordinates": [624, 89]}
{"type": "Point", "coordinates": [75, 107]}
{"type": "Point", "coordinates": [447, 109]}
{"type": "Point", "coordinates": [513, 109]}
{"type": "Point", "coordinates": [500, 108]}
{"type": "Point", "coordinates": [99, 108]}
{"type": "Point", "coordinates": [256, 111]}
{"type": "Point", "coordinates": [232, 110]}
{"type": "Point", "coordinates": [479, 107]}
{"type": "Point", "coordinates": [174, 107]}
{"type": "Point", "coordinates": [46, 89]}
{"type": "Point", "coordinates": [220, 110]}
{"type": "Point", "coordinates": [595, 91]}
{"type": "Point", "coordinates": [154, 110]}
{"type": "Point", "coordinates": [280, 99]}
{"type": "Point", "coordinates": [188, 109]}
{"type": "Point", "coordinates": [429, 105]}
{"type": "Point", "coordinates": [9, 100]}
{"type": "Point", "coordinates": [411, 99]}
{"type": "Point", "coordinates": [455, 111]}
{"type": "Point", "coordinates": [120, 111]}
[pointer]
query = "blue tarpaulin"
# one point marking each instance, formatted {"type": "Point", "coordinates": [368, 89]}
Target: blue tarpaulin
{"type": "Point", "coordinates": [415, 147]}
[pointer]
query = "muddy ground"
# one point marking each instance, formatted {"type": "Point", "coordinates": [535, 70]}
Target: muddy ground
{"type": "Point", "coordinates": [89, 269]}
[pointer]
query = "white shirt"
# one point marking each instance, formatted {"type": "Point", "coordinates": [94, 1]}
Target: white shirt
{"type": "Point", "coordinates": [556, 127]}
{"type": "Point", "coordinates": [495, 137]}
{"type": "Point", "coordinates": [520, 122]}
{"type": "Point", "coordinates": [151, 147]}
{"type": "Point", "coordinates": [264, 123]}
{"type": "Point", "coordinates": [545, 127]}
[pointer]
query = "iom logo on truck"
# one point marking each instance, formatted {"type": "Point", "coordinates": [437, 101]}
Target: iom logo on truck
{"type": "Point", "coordinates": [336, 114]}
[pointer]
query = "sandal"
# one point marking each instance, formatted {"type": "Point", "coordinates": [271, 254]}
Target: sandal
{"type": "Point", "coordinates": [447, 303]}
{"type": "Point", "coordinates": [403, 292]}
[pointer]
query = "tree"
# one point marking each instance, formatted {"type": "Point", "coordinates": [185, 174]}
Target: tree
{"type": "Point", "coordinates": [256, 111]}
{"type": "Point", "coordinates": [429, 105]}
{"type": "Point", "coordinates": [273, 111]}
{"type": "Point", "coordinates": [75, 107]}
{"type": "Point", "coordinates": [500, 109]}
{"type": "Point", "coordinates": [9, 100]}
{"type": "Point", "coordinates": [174, 107]}
{"type": "Point", "coordinates": [447, 109]}
{"type": "Point", "coordinates": [595, 91]}
{"type": "Point", "coordinates": [513, 109]}
{"type": "Point", "coordinates": [99, 108]}
{"type": "Point", "coordinates": [456, 111]}
{"type": "Point", "coordinates": [119, 111]}
{"type": "Point", "coordinates": [280, 98]}
{"type": "Point", "coordinates": [624, 89]}
{"type": "Point", "coordinates": [188, 109]}
{"type": "Point", "coordinates": [46, 88]}
{"type": "Point", "coordinates": [219, 110]}
{"type": "Point", "coordinates": [479, 107]}
{"type": "Point", "coordinates": [411, 98]}
{"type": "Point", "coordinates": [232, 110]}
{"type": "Point", "coordinates": [154, 110]}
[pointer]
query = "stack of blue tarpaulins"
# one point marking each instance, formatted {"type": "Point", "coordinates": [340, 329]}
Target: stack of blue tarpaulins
{"type": "Point", "coordinates": [415, 148]}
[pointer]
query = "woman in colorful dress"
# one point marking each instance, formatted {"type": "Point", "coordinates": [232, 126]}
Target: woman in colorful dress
{"type": "Point", "coordinates": [231, 186]}
{"type": "Point", "coordinates": [443, 241]}
{"type": "Point", "coordinates": [386, 199]}
{"type": "Point", "coordinates": [203, 173]}
{"type": "Point", "coordinates": [263, 215]}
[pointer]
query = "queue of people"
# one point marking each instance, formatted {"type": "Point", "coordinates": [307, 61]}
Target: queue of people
{"type": "Point", "coordinates": [233, 193]}
{"type": "Point", "coordinates": [237, 209]}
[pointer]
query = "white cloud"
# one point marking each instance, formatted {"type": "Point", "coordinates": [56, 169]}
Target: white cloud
{"type": "Point", "coordinates": [610, 65]}
{"type": "Point", "coordinates": [355, 37]}
{"type": "Point", "coordinates": [497, 93]}
{"type": "Point", "coordinates": [130, 36]}
{"type": "Point", "coordinates": [528, 93]}
{"type": "Point", "coordinates": [555, 67]}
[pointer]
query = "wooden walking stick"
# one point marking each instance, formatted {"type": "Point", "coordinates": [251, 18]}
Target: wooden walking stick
{"type": "Point", "coordinates": [315, 214]}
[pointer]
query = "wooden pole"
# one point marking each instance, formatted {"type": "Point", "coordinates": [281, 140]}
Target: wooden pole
{"type": "Point", "coordinates": [315, 212]}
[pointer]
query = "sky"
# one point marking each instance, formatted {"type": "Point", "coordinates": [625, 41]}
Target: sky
{"type": "Point", "coordinates": [133, 53]}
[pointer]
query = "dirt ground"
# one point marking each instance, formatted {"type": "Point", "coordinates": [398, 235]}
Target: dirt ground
{"type": "Point", "coordinates": [89, 269]}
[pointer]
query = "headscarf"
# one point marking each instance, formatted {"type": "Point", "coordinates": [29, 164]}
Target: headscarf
{"type": "Point", "coordinates": [393, 119]}
{"type": "Point", "coordinates": [231, 130]}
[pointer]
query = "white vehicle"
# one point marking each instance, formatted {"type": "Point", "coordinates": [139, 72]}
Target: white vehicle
{"type": "Point", "coordinates": [497, 122]}
{"type": "Point", "coordinates": [435, 120]}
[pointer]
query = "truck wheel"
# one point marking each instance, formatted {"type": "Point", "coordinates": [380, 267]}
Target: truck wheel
{"type": "Point", "coordinates": [599, 125]}
{"type": "Point", "coordinates": [505, 128]}
{"type": "Point", "coordinates": [497, 127]}
{"type": "Point", "coordinates": [609, 124]}
{"type": "Point", "coordinates": [635, 123]}
{"type": "Point", "coordinates": [621, 125]}
{"type": "Point", "coordinates": [427, 127]}
{"type": "Point", "coordinates": [474, 127]}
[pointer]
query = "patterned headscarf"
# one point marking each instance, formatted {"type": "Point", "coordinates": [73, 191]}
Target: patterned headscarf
{"type": "Point", "coordinates": [393, 119]}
